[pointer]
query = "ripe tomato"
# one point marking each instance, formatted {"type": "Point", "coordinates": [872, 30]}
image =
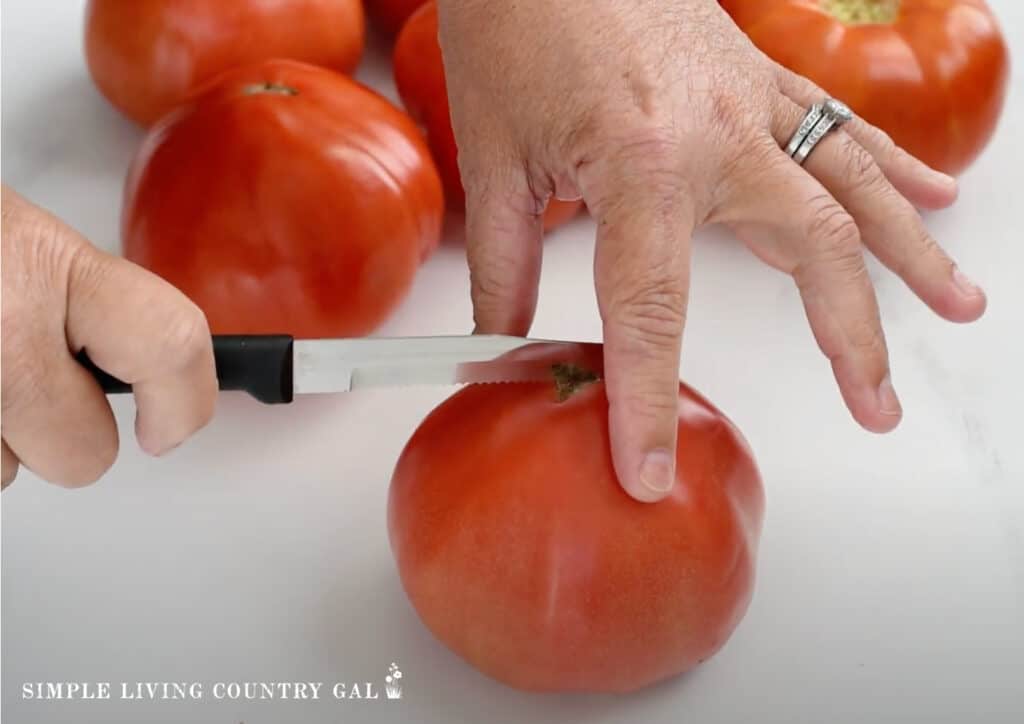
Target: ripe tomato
{"type": "Point", "coordinates": [931, 73]}
{"type": "Point", "coordinates": [147, 55]}
{"type": "Point", "coordinates": [419, 78]}
{"type": "Point", "coordinates": [520, 551]}
{"type": "Point", "coordinates": [285, 198]}
{"type": "Point", "coordinates": [390, 15]}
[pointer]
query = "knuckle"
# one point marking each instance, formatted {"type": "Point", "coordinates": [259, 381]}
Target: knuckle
{"type": "Point", "coordinates": [923, 252]}
{"type": "Point", "coordinates": [88, 273]}
{"type": "Point", "coordinates": [928, 247]}
{"type": "Point", "coordinates": [26, 370]}
{"type": "Point", "coordinates": [645, 402]}
{"type": "Point", "coordinates": [38, 254]}
{"type": "Point", "coordinates": [637, 144]}
{"type": "Point", "coordinates": [798, 85]}
{"type": "Point", "coordinates": [492, 276]}
{"type": "Point", "coordinates": [753, 160]}
{"type": "Point", "coordinates": [506, 184]}
{"type": "Point", "coordinates": [865, 336]}
{"type": "Point", "coordinates": [731, 117]}
{"type": "Point", "coordinates": [861, 167]}
{"type": "Point", "coordinates": [652, 313]}
{"type": "Point", "coordinates": [875, 136]}
{"type": "Point", "coordinates": [187, 334]}
{"type": "Point", "coordinates": [833, 232]}
{"type": "Point", "coordinates": [644, 165]}
{"type": "Point", "coordinates": [648, 147]}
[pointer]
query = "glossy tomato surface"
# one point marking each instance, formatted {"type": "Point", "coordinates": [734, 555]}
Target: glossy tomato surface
{"type": "Point", "coordinates": [520, 551]}
{"type": "Point", "coordinates": [285, 198]}
{"type": "Point", "coordinates": [146, 56]}
{"type": "Point", "coordinates": [931, 73]}
{"type": "Point", "coordinates": [419, 78]}
{"type": "Point", "coordinates": [390, 15]}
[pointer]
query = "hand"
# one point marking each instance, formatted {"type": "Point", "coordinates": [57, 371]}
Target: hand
{"type": "Point", "coordinates": [664, 117]}
{"type": "Point", "coordinates": [62, 295]}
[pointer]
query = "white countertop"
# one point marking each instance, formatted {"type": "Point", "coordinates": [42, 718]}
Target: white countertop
{"type": "Point", "coordinates": [891, 574]}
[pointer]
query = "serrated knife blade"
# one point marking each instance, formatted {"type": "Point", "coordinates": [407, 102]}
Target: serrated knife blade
{"type": "Point", "coordinates": [322, 366]}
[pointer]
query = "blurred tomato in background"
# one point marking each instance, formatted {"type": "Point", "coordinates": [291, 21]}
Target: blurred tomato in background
{"type": "Point", "coordinates": [419, 78]}
{"type": "Point", "coordinates": [390, 15]}
{"type": "Point", "coordinates": [931, 73]}
{"type": "Point", "coordinates": [146, 56]}
{"type": "Point", "coordinates": [285, 198]}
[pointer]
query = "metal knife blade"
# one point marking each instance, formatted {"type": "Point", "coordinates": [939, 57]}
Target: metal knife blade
{"type": "Point", "coordinates": [341, 365]}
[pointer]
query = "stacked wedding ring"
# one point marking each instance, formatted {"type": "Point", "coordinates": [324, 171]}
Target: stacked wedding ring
{"type": "Point", "coordinates": [819, 120]}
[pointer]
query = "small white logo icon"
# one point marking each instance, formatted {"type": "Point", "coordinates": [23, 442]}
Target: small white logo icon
{"type": "Point", "coordinates": [393, 682]}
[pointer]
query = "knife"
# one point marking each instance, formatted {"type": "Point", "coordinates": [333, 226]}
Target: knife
{"type": "Point", "coordinates": [275, 368]}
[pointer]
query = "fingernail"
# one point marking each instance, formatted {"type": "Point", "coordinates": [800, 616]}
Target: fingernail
{"type": "Point", "coordinates": [658, 471]}
{"type": "Point", "coordinates": [964, 284]}
{"type": "Point", "coordinates": [888, 402]}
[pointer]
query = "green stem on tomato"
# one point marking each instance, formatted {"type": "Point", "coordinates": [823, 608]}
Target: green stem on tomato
{"type": "Point", "coordinates": [569, 379]}
{"type": "Point", "coordinates": [259, 88]}
{"type": "Point", "coordinates": [862, 12]}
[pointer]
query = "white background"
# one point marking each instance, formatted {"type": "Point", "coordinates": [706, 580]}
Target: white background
{"type": "Point", "coordinates": [891, 578]}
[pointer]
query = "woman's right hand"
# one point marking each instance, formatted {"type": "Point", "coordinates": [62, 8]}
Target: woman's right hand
{"type": "Point", "coordinates": [62, 295]}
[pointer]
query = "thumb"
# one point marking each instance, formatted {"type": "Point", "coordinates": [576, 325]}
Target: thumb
{"type": "Point", "coordinates": [642, 278]}
{"type": "Point", "coordinates": [504, 230]}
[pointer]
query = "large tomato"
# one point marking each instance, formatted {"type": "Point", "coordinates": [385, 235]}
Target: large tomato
{"type": "Point", "coordinates": [147, 55]}
{"type": "Point", "coordinates": [285, 198]}
{"type": "Point", "coordinates": [931, 73]}
{"type": "Point", "coordinates": [520, 551]}
{"type": "Point", "coordinates": [419, 78]}
{"type": "Point", "coordinates": [391, 15]}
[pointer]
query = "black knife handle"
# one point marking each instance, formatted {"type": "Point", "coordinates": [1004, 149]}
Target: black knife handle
{"type": "Point", "coordinates": [260, 365]}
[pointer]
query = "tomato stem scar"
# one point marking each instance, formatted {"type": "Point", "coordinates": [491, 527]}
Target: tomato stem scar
{"type": "Point", "coordinates": [569, 379]}
{"type": "Point", "coordinates": [259, 88]}
{"type": "Point", "coordinates": [862, 12]}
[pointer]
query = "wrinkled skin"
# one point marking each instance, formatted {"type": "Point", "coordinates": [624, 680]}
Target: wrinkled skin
{"type": "Point", "coordinates": [664, 117]}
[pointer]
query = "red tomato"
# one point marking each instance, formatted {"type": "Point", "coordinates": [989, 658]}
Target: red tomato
{"type": "Point", "coordinates": [285, 198]}
{"type": "Point", "coordinates": [391, 15]}
{"type": "Point", "coordinates": [520, 551]}
{"type": "Point", "coordinates": [419, 78]}
{"type": "Point", "coordinates": [931, 73]}
{"type": "Point", "coordinates": [147, 55]}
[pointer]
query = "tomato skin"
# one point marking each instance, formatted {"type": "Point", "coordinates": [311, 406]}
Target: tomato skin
{"type": "Point", "coordinates": [305, 214]}
{"type": "Point", "coordinates": [391, 15]}
{"type": "Point", "coordinates": [935, 79]}
{"type": "Point", "coordinates": [420, 81]}
{"type": "Point", "coordinates": [146, 56]}
{"type": "Point", "coordinates": [520, 551]}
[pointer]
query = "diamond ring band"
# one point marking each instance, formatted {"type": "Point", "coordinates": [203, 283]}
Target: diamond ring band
{"type": "Point", "coordinates": [816, 124]}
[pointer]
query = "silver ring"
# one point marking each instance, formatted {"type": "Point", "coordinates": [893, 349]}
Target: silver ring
{"type": "Point", "coordinates": [811, 119]}
{"type": "Point", "coordinates": [820, 119]}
